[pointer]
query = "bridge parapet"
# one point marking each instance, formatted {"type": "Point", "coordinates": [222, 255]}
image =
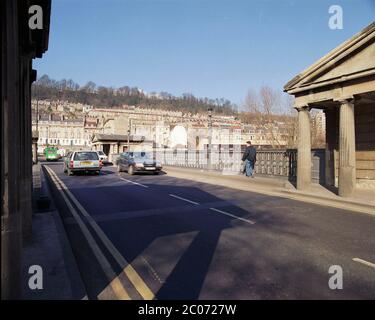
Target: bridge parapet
{"type": "Point", "coordinates": [280, 163]}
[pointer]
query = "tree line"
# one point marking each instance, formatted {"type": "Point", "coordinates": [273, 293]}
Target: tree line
{"type": "Point", "coordinates": [46, 88]}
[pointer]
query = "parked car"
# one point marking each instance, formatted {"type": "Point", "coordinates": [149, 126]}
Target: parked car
{"type": "Point", "coordinates": [102, 156]}
{"type": "Point", "coordinates": [133, 162]}
{"type": "Point", "coordinates": [82, 161]}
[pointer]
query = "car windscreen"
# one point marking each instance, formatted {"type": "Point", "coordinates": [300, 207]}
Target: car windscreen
{"type": "Point", "coordinates": [80, 156]}
{"type": "Point", "coordinates": [141, 155]}
{"type": "Point", "coordinates": [101, 153]}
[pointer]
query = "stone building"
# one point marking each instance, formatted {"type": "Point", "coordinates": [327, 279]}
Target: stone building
{"type": "Point", "coordinates": [342, 84]}
{"type": "Point", "coordinates": [19, 46]}
{"type": "Point", "coordinates": [76, 131]}
{"type": "Point", "coordinates": [113, 144]}
{"type": "Point", "coordinates": [65, 133]}
{"type": "Point", "coordinates": [319, 121]}
{"type": "Point", "coordinates": [158, 126]}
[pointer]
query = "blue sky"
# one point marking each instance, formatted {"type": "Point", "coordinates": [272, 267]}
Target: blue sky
{"type": "Point", "coordinates": [210, 48]}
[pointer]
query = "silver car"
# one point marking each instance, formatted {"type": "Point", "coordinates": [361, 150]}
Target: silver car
{"type": "Point", "coordinates": [102, 156]}
{"type": "Point", "coordinates": [82, 161]}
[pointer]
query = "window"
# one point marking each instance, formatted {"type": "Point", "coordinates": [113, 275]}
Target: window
{"type": "Point", "coordinates": [80, 156]}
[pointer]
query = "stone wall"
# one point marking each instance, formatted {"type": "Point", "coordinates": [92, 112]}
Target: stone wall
{"type": "Point", "coordinates": [365, 144]}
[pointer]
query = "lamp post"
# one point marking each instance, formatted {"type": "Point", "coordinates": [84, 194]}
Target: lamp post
{"type": "Point", "coordinates": [129, 131]}
{"type": "Point", "coordinates": [209, 159]}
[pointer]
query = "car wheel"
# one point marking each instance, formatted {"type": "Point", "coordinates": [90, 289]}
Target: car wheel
{"type": "Point", "coordinates": [131, 170]}
{"type": "Point", "coordinates": [156, 173]}
{"type": "Point", "coordinates": [97, 172]}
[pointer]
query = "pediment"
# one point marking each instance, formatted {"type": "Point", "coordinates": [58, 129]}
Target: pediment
{"type": "Point", "coordinates": [353, 59]}
{"type": "Point", "coordinates": [361, 61]}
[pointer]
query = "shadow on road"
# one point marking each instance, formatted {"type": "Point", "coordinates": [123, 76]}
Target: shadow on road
{"type": "Point", "coordinates": [173, 243]}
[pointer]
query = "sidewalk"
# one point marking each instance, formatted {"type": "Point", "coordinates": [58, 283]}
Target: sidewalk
{"type": "Point", "coordinates": [49, 248]}
{"type": "Point", "coordinates": [362, 200]}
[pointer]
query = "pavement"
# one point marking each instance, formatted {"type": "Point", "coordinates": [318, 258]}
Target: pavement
{"type": "Point", "coordinates": [167, 237]}
{"type": "Point", "coordinates": [49, 248]}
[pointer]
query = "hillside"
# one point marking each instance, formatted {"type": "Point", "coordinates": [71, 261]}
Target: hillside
{"type": "Point", "coordinates": [100, 96]}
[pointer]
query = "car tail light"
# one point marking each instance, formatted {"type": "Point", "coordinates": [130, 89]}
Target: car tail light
{"type": "Point", "coordinates": [71, 164]}
{"type": "Point", "coordinates": [101, 163]}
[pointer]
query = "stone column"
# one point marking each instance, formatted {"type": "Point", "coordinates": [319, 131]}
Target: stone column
{"type": "Point", "coordinates": [347, 167]}
{"type": "Point", "coordinates": [304, 149]}
{"type": "Point", "coordinates": [111, 151]}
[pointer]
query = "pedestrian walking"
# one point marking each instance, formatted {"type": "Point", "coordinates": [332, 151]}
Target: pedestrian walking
{"type": "Point", "coordinates": [250, 157]}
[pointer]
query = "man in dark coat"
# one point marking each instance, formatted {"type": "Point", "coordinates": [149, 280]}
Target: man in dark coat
{"type": "Point", "coordinates": [250, 157]}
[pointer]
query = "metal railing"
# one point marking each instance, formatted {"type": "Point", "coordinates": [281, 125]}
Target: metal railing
{"type": "Point", "coordinates": [281, 163]}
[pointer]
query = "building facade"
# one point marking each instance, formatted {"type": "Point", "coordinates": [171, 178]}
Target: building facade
{"type": "Point", "coordinates": [19, 46]}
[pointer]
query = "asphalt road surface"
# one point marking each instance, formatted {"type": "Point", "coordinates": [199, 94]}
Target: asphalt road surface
{"type": "Point", "coordinates": [146, 237]}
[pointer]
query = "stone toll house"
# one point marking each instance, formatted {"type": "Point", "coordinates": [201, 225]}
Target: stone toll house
{"type": "Point", "coordinates": [342, 84]}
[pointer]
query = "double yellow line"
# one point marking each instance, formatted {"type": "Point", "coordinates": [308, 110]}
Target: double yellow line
{"type": "Point", "coordinates": [114, 281]}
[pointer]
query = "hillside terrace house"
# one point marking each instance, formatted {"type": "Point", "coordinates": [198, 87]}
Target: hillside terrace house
{"type": "Point", "coordinates": [342, 84]}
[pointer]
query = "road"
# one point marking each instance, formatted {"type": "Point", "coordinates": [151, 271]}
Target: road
{"type": "Point", "coordinates": [147, 237]}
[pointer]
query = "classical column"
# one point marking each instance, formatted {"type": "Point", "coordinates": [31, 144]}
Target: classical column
{"type": "Point", "coordinates": [111, 152]}
{"type": "Point", "coordinates": [304, 149]}
{"type": "Point", "coordinates": [347, 174]}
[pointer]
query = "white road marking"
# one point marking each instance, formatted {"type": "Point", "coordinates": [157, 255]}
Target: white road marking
{"type": "Point", "coordinates": [369, 264]}
{"type": "Point", "coordinates": [133, 182]}
{"type": "Point", "coordinates": [233, 216]}
{"type": "Point", "coordinates": [129, 271]}
{"type": "Point", "coordinates": [183, 199]}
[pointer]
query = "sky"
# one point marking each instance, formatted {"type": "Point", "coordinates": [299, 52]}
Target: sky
{"type": "Point", "coordinates": [210, 48]}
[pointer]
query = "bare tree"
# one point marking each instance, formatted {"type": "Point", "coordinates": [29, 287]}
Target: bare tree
{"type": "Point", "coordinates": [291, 120]}
{"type": "Point", "coordinates": [270, 106]}
{"type": "Point", "coordinates": [271, 114]}
{"type": "Point", "coordinates": [270, 100]}
{"type": "Point", "coordinates": [252, 104]}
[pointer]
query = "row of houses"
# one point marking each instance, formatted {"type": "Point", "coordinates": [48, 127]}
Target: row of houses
{"type": "Point", "coordinates": [166, 129]}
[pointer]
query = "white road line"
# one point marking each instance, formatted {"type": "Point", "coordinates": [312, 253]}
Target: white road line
{"type": "Point", "coordinates": [183, 199]}
{"type": "Point", "coordinates": [233, 216]}
{"type": "Point", "coordinates": [369, 264]}
{"type": "Point", "coordinates": [129, 271]}
{"type": "Point", "coordinates": [133, 182]}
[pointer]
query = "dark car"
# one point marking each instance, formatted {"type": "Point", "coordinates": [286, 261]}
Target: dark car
{"type": "Point", "coordinates": [133, 162]}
